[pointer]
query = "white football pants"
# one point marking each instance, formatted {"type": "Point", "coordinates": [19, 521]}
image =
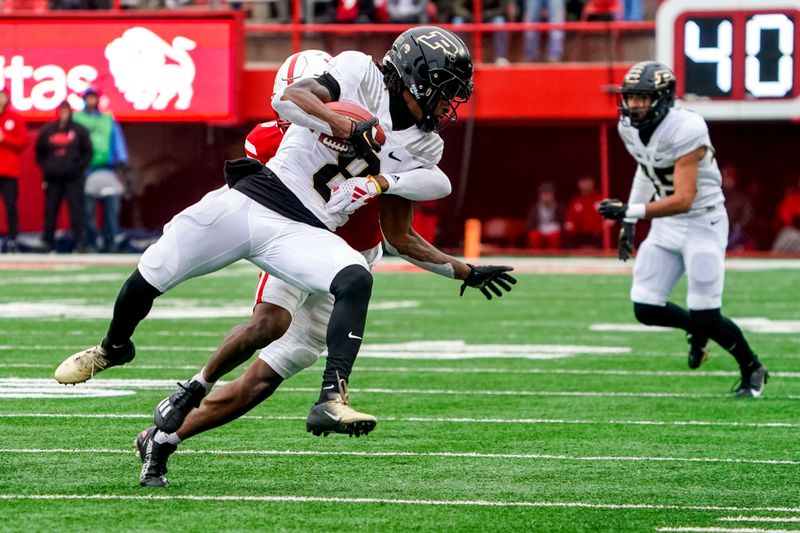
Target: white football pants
{"type": "Point", "coordinates": [693, 244]}
{"type": "Point", "coordinates": [304, 341]}
{"type": "Point", "coordinates": [225, 226]}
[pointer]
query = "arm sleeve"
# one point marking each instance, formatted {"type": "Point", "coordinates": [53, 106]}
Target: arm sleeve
{"type": "Point", "coordinates": [41, 146]}
{"type": "Point", "coordinates": [86, 148]}
{"type": "Point", "coordinates": [642, 191]}
{"type": "Point", "coordinates": [419, 185]}
{"type": "Point", "coordinates": [344, 76]}
{"type": "Point", "coordinates": [17, 138]}
{"type": "Point", "coordinates": [120, 149]}
{"type": "Point", "coordinates": [290, 111]}
{"type": "Point", "coordinates": [445, 269]}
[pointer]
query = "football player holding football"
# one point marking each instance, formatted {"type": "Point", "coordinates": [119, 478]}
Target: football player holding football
{"type": "Point", "coordinates": [296, 319]}
{"type": "Point", "coordinates": [276, 216]}
{"type": "Point", "coordinates": [677, 184]}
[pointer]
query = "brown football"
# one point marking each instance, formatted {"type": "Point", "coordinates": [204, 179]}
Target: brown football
{"type": "Point", "coordinates": [355, 112]}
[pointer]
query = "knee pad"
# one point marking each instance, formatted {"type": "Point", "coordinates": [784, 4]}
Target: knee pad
{"type": "Point", "coordinates": [353, 281]}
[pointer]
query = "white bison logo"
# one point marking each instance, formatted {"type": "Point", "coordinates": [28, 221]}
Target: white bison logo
{"type": "Point", "coordinates": [149, 72]}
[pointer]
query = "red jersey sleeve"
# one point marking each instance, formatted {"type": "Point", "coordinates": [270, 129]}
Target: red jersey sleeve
{"type": "Point", "coordinates": [263, 141]}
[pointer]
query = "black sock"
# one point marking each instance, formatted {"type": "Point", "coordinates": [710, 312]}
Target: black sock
{"type": "Point", "coordinates": [669, 315]}
{"type": "Point", "coordinates": [134, 301]}
{"type": "Point", "coordinates": [351, 289]}
{"type": "Point", "coordinates": [727, 334]}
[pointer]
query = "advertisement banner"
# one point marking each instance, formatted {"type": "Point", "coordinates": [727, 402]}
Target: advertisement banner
{"type": "Point", "coordinates": [145, 68]}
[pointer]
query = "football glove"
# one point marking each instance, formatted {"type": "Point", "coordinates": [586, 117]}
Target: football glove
{"type": "Point", "coordinates": [489, 277]}
{"type": "Point", "coordinates": [625, 247]}
{"type": "Point", "coordinates": [612, 209]}
{"type": "Point", "coordinates": [361, 141]}
{"type": "Point", "coordinates": [351, 194]}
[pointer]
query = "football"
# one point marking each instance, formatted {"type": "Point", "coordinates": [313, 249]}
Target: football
{"type": "Point", "coordinates": [357, 113]}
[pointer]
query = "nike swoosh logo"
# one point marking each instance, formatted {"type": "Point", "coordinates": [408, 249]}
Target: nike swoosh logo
{"type": "Point", "coordinates": [354, 336]}
{"type": "Point", "coordinates": [114, 346]}
{"type": "Point", "coordinates": [329, 387]}
{"type": "Point", "coordinates": [335, 418]}
{"type": "Point", "coordinates": [392, 156]}
{"type": "Point", "coordinates": [714, 222]}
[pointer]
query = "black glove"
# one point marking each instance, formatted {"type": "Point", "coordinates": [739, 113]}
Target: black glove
{"type": "Point", "coordinates": [489, 277]}
{"type": "Point", "coordinates": [612, 209]}
{"type": "Point", "coordinates": [361, 140]}
{"type": "Point", "coordinates": [625, 246]}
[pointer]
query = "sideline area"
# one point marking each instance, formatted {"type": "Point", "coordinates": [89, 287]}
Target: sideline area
{"type": "Point", "coordinates": [562, 265]}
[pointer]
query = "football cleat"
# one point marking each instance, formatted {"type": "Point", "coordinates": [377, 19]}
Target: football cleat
{"type": "Point", "coordinates": [752, 382]}
{"type": "Point", "coordinates": [698, 350]}
{"type": "Point", "coordinates": [172, 411]}
{"type": "Point", "coordinates": [336, 416]}
{"type": "Point", "coordinates": [154, 459]}
{"type": "Point", "coordinates": [83, 365]}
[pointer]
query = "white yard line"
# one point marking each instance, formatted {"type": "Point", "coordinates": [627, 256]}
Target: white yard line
{"type": "Point", "coordinates": [713, 529]}
{"type": "Point", "coordinates": [478, 370]}
{"type": "Point", "coordinates": [522, 264]}
{"type": "Point", "coordinates": [445, 420]}
{"type": "Point", "coordinates": [759, 519]}
{"type": "Point", "coordinates": [459, 455]}
{"type": "Point", "coordinates": [392, 501]}
{"type": "Point", "coordinates": [11, 386]}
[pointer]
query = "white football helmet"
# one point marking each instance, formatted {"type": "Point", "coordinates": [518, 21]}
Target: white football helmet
{"type": "Point", "coordinates": [299, 66]}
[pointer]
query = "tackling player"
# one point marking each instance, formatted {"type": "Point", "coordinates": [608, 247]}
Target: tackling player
{"type": "Point", "coordinates": [689, 232]}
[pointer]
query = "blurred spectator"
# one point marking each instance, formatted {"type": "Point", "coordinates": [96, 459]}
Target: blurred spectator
{"type": "Point", "coordinates": [739, 207]}
{"type": "Point", "coordinates": [583, 225]}
{"type": "Point", "coordinates": [360, 11]}
{"type": "Point", "coordinates": [497, 12]}
{"type": "Point", "coordinates": [790, 205]}
{"type": "Point", "coordinates": [408, 11]}
{"type": "Point", "coordinates": [555, 10]}
{"type": "Point", "coordinates": [109, 159]}
{"type": "Point", "coordinates": [788, 239]}
{"type": "Point", "coordinates": [632, 10]}
{"type": "Point", "coordinates": [63, 151]}
{"type": "Point", "coordinates": [574, 9]}
{"type": "Point", "coordinates": [602, 10]}
{"type": "Point", "coordinates": [13, 138]}
{"type": "Point", "coordinates": [544, 220]}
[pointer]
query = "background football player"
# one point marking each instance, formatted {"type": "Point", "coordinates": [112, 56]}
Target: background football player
{"type": "Point", "coordinates": [689, 233]}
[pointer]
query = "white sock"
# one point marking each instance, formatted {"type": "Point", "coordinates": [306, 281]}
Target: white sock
{"type": "Point", "coordinates": [208, 385]}
{"type": "Point", "coordinates": [172, 438]}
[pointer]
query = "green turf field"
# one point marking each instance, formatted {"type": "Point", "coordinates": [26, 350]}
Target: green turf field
{"type": "Point", "coordinates": [536, 412]}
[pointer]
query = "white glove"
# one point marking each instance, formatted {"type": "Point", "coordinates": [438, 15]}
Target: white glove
{"type": "Point", "coordinates": [352, 194]}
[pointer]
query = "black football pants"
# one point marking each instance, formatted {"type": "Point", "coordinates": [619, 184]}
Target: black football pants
{"type": "Point", "coordinates": [57, 190]}
{"type": "Point", "coordinates": [10, 190]}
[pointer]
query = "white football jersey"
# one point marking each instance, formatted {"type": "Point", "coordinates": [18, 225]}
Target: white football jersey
{"type": "Point", "coordinates": [681, 132]}
{"type": "Point", "coordinates": [310, 169]}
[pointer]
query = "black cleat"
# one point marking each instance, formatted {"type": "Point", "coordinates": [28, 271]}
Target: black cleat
{"type": "Point", "coordinates": [698, 350]}
{"type": "Point", "coordinates": [752, 382]}
{"type": "Point", "coordinates": [154, 459]}
{"type": "Point", "coordinates": [336, 416]}
{"type": "Point", "coordinates": [173, 410]}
